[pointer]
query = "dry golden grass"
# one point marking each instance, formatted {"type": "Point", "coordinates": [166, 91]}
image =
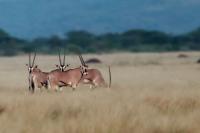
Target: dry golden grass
{"type": "Point", "coordinates": [151, 93]}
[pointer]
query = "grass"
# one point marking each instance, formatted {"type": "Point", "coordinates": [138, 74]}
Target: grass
{"type": "Point", "coordinates": [151, 93]}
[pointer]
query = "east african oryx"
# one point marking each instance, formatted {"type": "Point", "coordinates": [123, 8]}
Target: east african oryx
{"type": "Point", "coordinates": [37, 78]}
{"type": "Point", "coordinates": [94, 76]}
{"type": "Point", "coordinates": [70, 77]}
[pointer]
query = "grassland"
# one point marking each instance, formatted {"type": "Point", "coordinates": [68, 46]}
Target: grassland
{"type": "Point", "coordinates": [151, 93]}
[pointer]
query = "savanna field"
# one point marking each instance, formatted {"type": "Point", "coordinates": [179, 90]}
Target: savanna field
{"type": "Point", "coordinates": [150, 93]}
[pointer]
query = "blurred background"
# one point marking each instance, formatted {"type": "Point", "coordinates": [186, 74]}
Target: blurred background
{"type": "Point", "coordinates": [98, 26]}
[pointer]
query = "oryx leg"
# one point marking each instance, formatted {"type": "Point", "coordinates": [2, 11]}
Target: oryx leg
{"type": "Point", "coordinates": [52, 85]}
{"type": "Point", "coordinates": [60, 89]}
{"type": "Point", "coordinates": [56, 88]}
{"type": "Point", "coordinates": [49, 85]}
{"type": "Point", "coordinates": [32, 88]}
{"type": "Point", "coordinates": [40, 87]}
{"type": "Point", "coordinates": [87, 81]}
{"type": "Point", "coordinates": [74, 87]}
{"type": "Point", "coordinates": [45, 85]}
{"type": "Point", "coordinates": [92, 86]}
{"type": "Point", "coordinates": [37, 84]}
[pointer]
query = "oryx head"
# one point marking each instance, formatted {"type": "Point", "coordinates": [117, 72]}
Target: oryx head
{"type": "Point", "coordinates": [30, 64]}
{"type": "Point", "coordinates": [83, 67]}
{"type": "Point", "coordinates": [62, 65]}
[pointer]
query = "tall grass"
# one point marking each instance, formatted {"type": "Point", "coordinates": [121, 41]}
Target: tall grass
{"type": "Point", "coordinates": [160, 97]}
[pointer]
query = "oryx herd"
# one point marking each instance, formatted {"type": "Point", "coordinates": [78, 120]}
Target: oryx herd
{"type": "Point", "coordinates": [63, 77]}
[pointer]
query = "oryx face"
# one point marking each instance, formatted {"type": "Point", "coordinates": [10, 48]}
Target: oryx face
{"type": "Point", "coordinates": [62, 67]}
{"type": "Point", "coordinates": [84, 70]}
{"type": "Point", "coordinates": [31, 68]}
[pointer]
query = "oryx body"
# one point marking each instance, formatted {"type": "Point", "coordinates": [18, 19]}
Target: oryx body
{"type": "Point", "coordinates": [61, 77]}
{"type": "Point", "coordinates": [94, 76]}
{"type": "Point", "coordinates": [39, 78]}
{"type": "Point", "coordinates": [70, 77]}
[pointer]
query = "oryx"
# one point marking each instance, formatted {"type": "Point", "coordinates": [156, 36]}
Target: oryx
{"type": "Point", "coordinates": [59, 78]}
{"type": "Point", "coordinates": [93, 76]}
{"type": "Point", "coordinates": [37, 78]}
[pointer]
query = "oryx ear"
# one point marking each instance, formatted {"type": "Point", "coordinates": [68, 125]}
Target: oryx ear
{"type": "Point", "coordinates": [57, 66]}
{"type": "Point", "coordinates": [68, 65]}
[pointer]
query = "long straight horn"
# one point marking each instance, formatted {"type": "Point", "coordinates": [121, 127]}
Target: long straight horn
{"type": "Point", "coordinates": [34, 59]}
{"type": "Point", "coordinates": [59, 58]}
{"type": "Point", "coordinates": [29, 59]}
{"type": "Point", "coordinates": [82, 63]}
{"type": "Point", "coordinates": [64, 58]}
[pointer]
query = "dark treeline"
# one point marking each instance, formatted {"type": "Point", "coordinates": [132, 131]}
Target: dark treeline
{"type": "Point", "coordinates": [85, 42]}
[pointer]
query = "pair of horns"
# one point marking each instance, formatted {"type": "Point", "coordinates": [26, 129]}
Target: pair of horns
{"type": "Point", "coordinates": [31, 65]}
{"type": "Point", "coordinates": [62, 63]}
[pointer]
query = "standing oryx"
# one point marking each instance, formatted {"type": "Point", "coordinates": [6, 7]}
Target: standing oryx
{"type": "Point", "coordinates": [70, 77]}
{"type": "Point", "coordinates": [94, 76]}
{"type": "Point", "coordinates": [37, 78]}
